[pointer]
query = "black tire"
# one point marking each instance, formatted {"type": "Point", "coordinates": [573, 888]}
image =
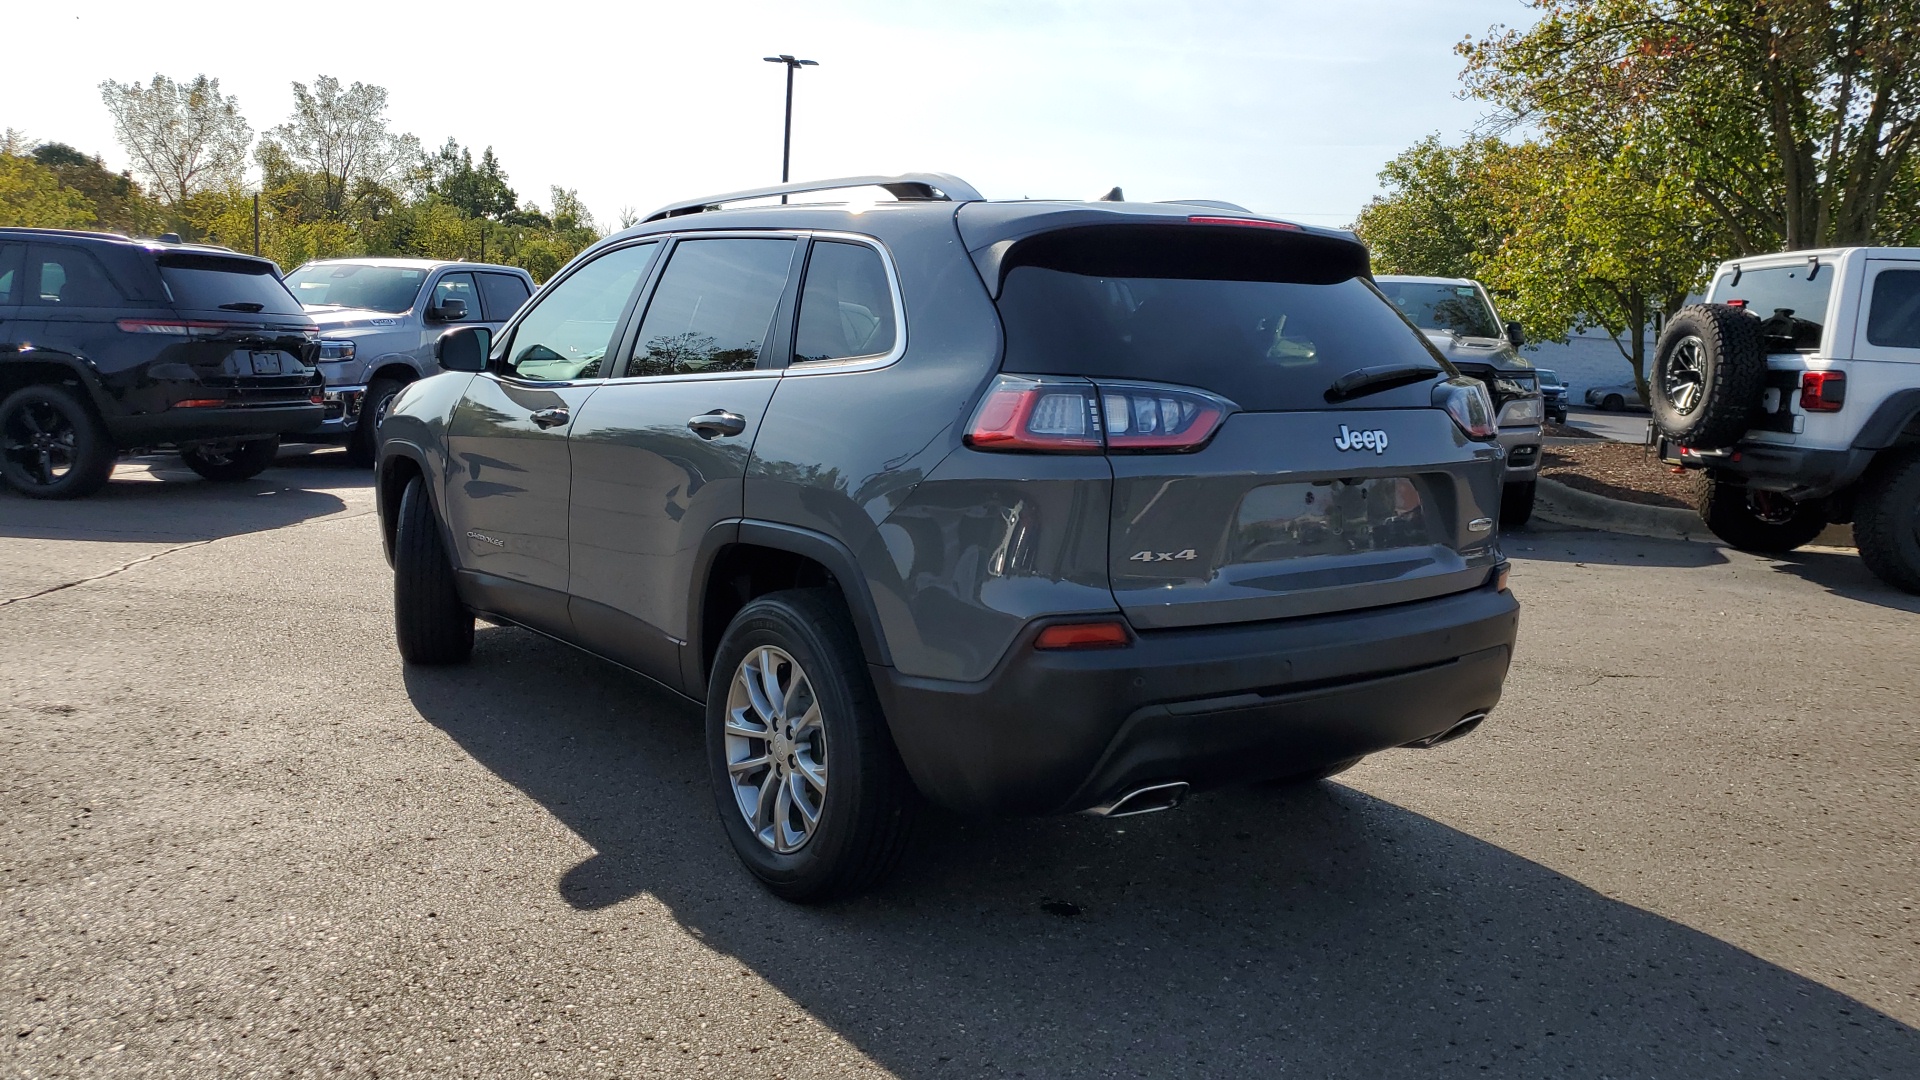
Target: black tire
{"type": "Point", "coordinates": [1886, 519]}
{"type": "Point", "coordinates": [1516, 504]}
{"type": "Point", "coordinates": [1613, 403]}
{"type": "Point", "coordinates": [363, 445]}
{"type": "Point", "coordinates": [1709, 371]}
{"type": "Point", "coordinates": [865, 814]}
{"type": "Point", "coordinates": [430, 624]}
{"type": "Point", "coordinates": [52, 446]}
{"type": "Point", "coordinates": [229, 462]}
{"type": "Point", "coordinates": [1763, 522]}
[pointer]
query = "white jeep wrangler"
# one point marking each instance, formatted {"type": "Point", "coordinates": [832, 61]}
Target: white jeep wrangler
{"type": "Point", "coordinates": [1795, 389]}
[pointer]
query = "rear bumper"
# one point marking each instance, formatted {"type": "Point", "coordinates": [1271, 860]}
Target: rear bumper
{"type": "Point", "coordinates": [191, 425]}
{"type": "Point", "coordinates": [1062, 731]}
{"type": "Point", "coordinates": [1796, 471]}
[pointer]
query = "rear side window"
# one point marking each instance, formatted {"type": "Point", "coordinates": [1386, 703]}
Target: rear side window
{"type": "Point", "coordinates": [503, 294]}
{"type": "Point", "coordinates": [714, 307]}
{"type": "Point", "coordinates": [846, 305]}
{"type": "Point", "coordinates": [68, 277]}
{"type": "Point", "coordinates": [1267, 345]}
{"type": "Point", "coordinates": [212, 283]}
{"type": "Point", "coordinates": [1893, 320]}
{"type": "Point", "coordinates": [10, 256]}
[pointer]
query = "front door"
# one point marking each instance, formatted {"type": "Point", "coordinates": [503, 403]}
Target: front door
{"type": "Point", "coordinates": [660, 453]}
{"type": "Point", "coordinates": [508, 466]}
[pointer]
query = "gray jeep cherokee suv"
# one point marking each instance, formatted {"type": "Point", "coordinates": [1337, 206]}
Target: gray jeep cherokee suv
{"type": "Point", "coordinates": [1022, 507]}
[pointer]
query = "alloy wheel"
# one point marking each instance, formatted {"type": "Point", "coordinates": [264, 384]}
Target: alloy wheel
{"type": "Point", "coordinates": [1686, 375]}
{"type": "Point", "coordinates": [41, 440]}
{"type": "Point", "coordinates": [776, 747]}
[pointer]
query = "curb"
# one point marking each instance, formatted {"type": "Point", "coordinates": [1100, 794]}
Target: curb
{"type": "Point", "coordinates": [1563, 505]}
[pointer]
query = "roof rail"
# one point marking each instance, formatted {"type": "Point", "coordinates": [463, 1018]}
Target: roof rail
{"type": "Point", "coordinates": [83, 234]}
{"type": "Point", "coordinates": [906, 186]}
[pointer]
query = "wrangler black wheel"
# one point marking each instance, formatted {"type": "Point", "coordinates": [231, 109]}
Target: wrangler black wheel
{"type": "Point", "coordinates": [51, 444]}
{"type": "Point", "coordinates": [1886, 523]}
{"type": "Point", "coordinates": [1709, 371]}
{"type": "Point", "coordinates": [1764, 522]}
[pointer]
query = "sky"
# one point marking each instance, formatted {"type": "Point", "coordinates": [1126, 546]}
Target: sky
{"type": "Point", "coordinates": [1289, 108]}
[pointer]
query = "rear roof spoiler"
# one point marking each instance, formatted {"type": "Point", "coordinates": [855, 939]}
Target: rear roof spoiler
{"type": "Point", "coordinates": [906, 186]}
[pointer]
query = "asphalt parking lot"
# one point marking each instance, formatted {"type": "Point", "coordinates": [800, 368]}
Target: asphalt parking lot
{"type": "Point", "coordinates": [240, 839]}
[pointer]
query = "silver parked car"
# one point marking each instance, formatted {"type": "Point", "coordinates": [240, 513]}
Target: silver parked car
{"type": "Point", "coordinates": [1617, 397]}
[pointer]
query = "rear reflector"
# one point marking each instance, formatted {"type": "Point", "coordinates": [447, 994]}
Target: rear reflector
{"type": "Point", "coordinates": [1249, 223]}
{"type": "Point", "coordinates": [1823, 391]}
{"type": "Point", "coordinates": [177, 327]}
{"type": "Point", "coordinates": [1500, 577]}
{"type": "Point", "coordinates": [200, 403]}
{"type": "Point", "coordinates": [1077, 416]}
{"type": "Point", "coordinates": [1096, 635]}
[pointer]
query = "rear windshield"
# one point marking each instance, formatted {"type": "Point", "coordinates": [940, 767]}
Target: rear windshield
{"type": "Point", "coordinates": [388, 289]}
{"type": "Point", "coordinates": [1266, 345]}
{"type": "Point", "coordinates": [211, 283]}
{"type": "Point", "coordinates": [1794, 309]}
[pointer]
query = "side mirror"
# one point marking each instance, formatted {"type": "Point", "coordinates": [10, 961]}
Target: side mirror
{"type": "Point", "coordinates": [1514, 337]}
{"type": "Point", "coordinates": [450, 310]}
{"type": "Point", "coordinates": [464, 348]}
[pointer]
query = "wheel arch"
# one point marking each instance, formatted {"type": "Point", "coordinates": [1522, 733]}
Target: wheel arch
{"type": "Point", "coordinates": [399, 464]}
{"type": "Point", "coordinates": [743, 560]}
{"type": "Point", "coordinates": [394, 366]}
{"type": "Point", "coordinates": [57, 369]}
{"type": "Point", "coordinates": [1895, 422]}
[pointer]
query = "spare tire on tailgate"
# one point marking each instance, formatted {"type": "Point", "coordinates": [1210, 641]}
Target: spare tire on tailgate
{"type": "Point", "coordinates": [1709, 371]}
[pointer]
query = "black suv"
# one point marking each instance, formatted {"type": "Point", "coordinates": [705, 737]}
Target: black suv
{"type": "Point", "coordinates": [108, 345]}
{"type": "Point", "coordinates": [1024, 507]}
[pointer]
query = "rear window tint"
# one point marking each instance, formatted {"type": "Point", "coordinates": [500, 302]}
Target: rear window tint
{"type": "Point", "coordinates": [202, 283]}
{"type": "Point", "coordinates": [1893, 315]}
{"type": "Point", "coordinates": [1266, 345]}
{"type": "Point", "coordinates": [1783, 294]}
{"type": "Point", "coordinates": [71, 278]}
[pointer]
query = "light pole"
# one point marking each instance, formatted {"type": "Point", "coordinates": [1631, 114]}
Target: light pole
{"type": "Point", "coordinates": [786, 142]}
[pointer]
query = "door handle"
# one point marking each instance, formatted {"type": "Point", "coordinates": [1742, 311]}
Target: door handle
{"type": "Point", "coordinates": [547, 418]}
{"type": "Point", "coordinates": [717, 423]}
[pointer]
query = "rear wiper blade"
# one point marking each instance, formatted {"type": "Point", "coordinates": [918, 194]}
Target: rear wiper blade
{"type": "Point", "coordinates": [249, 307]}
{"type": "Point", "coordinates": [1369, 380]}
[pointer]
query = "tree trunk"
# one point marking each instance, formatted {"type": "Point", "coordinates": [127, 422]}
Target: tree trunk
{"type": "Point", "coordinates": [1637, 327]}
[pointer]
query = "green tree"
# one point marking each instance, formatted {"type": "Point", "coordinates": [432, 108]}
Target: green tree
{"type": "Point", "coordinates": [31, 194]}
{"type": "Point", "coordinates": [183, 138]}
{"type": "Point", "coordinates": [477, 191]}
{"type": "Point", "coordinates": [1795, 121]}
{"type": "Point", "coordinates": [336, 150]}
{"type": "Point", "coordinates": [1439, 215]}
{"type": "Point", "coordinates": [118, 203]}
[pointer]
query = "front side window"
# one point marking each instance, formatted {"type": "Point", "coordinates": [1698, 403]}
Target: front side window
{"type": "Point", "coordinates": [457, 286]}
{"type": "Point", "coordinates": [714, 307]}
{"type": "Point", "coordinates": [567, 333]}
{"type": "Point", "coordinates": [846, 305]}
{"type": "Point", "coordinates": [1457, 309]}
{"type": "Point", "coordinates": [386, 289]}
{"type": "Point", "coordinates": [69, 277]}
{"type": "Point", "coordinates": [1893, 319]}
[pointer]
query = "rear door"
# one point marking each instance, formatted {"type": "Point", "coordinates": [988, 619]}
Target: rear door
{"type": "Point", "coordinates": [660, 454]}
{"type": "Point", "coordinates": [1303, 500]}
{"type": "Point", "coordinates": [12, 284]}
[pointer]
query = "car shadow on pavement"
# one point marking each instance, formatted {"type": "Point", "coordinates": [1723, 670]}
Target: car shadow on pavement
{"type": "Point", "coordinates": [1568, 545]}
{"type": "Point", "coordinates": [160, 500]}
{"type": "Point", "coordinates": [1843, 574]}
{"type": "Point", "coordinates": [1251, 932]}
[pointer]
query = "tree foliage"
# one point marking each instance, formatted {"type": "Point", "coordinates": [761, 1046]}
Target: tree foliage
{"type": "Point", "coordinates": [1439, 215]}
{"type": "Point", "coordinates": [31, 194]}
{"type": "Point", "coordinates": [183, 138]}
{"type": "Point", "coordinates": [1794, 121]}
{"type": "Point", "coordinates": [338, 141]}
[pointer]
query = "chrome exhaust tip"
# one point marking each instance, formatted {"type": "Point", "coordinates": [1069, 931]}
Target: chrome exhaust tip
{"type": "Point", "coordinates": [1147, 800]}
{"type": "Point", "coordinates": [1465, 727]}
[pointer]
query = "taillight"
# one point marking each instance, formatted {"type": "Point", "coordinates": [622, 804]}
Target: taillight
{"type": "Point", "coordinates": [1823, 391]}
{"type": "Point", "coordinates": [1250, 223]}
{"type": "Point", "coordinates": [1077, 416]}
{"type": "Point", "coordinates": [176, 327]}
{"type": "Point", "coordinates": [1108, 634]}
{"type": "Point", "coordinates": [1467, 402]}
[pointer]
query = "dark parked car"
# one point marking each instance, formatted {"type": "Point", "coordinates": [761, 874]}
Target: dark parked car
{"type": "Point", "coordinates": [108, 345]}
{"type": "Point", "coordinates": [1024, 507]}
{"type": "Point", "coordinates": [1554, 393]}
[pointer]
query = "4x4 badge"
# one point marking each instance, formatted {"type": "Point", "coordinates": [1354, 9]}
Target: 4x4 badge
{"type": "Point", "coordinates": [1161, 556]}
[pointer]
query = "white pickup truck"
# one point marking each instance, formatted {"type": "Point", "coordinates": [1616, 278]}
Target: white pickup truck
{"type": "Point", "coordinates": [1795, 388]}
